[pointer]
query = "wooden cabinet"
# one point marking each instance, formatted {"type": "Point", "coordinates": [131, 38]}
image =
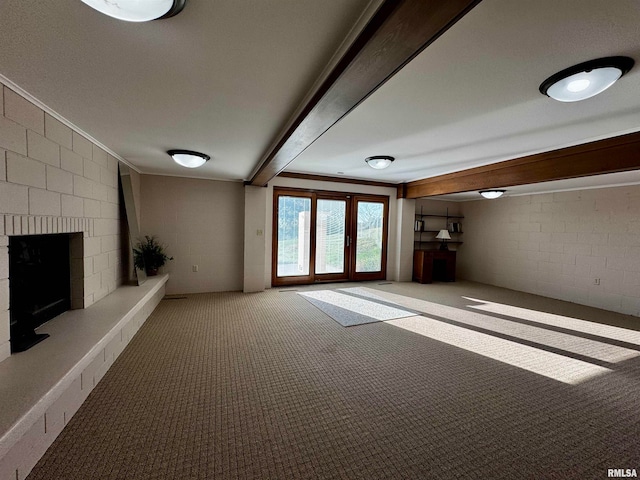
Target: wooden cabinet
{"type": "Point", "coordinates": [430, 265]}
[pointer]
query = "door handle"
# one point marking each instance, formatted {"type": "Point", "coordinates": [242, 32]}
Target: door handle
{"type": "Point", "coordinates": [348, 241]}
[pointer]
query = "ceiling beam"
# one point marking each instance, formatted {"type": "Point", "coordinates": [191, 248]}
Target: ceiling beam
{"type": "Point", "coordinates": [617, 154]}
{"type": "Point", "coordinates": [398, 31]}
{"type": "Point", "coordinates": [328, 178]}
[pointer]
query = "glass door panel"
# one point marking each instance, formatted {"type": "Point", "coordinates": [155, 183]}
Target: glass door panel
{"type": "Point", "coordinates": [331, 218]}
{"type": "Point", "coordinates": [294, 236]}
{"type": "Point", "coordinates": [369, 237]}
{"type": "Point", "coordinates": [370, 227]}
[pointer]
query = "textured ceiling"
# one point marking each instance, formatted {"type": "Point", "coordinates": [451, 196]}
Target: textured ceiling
{"type": "Point", "coordinates": [472, 97]}
{"type": "Point", "coordinates": [224, 76]}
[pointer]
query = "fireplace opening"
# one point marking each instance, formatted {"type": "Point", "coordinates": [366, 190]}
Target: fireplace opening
{"type": "Point", "coordinates": [39, 285]}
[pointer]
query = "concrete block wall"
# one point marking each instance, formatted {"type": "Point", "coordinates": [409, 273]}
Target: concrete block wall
{"type": "Point", "coordinates": [54, 180]}
{"type": "Point", "coordinates": [581, 246]}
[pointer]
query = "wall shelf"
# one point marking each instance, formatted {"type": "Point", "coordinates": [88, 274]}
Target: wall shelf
{"type": "Point", "coordinates": [426, 227]}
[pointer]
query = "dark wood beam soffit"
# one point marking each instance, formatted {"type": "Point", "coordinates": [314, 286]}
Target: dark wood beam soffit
{"type": "Point", "coordinates": [398, 32]}
{"type": "Point", "coordinates": [327, 178]}
{"type": "Point", "coordinates": [617, 154]}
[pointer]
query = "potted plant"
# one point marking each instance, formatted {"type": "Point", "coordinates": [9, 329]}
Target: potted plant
{"type": "Point", "coordinates": [149, 255]}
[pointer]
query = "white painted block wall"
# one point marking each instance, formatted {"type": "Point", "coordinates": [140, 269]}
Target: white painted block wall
{"type": "Point", "coordinates": [557, 245]}
{"type": "Point", "coordinates": [54, 180]}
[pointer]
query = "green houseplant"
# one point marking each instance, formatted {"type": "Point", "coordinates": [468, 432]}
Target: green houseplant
{"type": "Point", "coordinates": [149, 255]}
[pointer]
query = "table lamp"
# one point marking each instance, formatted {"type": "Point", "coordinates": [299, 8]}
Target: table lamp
{"type": "Point", "coordinates": [444, 236]}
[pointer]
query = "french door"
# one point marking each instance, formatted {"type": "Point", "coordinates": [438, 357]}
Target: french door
{"type": "Point", "coordinates": [328, 237]}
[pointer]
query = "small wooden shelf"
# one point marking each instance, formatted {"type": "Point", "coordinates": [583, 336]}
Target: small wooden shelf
{"type": "Point", "coordinates": [438, 241]}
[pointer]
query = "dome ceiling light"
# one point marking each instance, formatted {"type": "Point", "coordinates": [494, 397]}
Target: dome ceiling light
{"type": "Point", "coordinates": [188, 158]}
{"type": "Point", "coordinates": [585, 80]}
{"type": "Point", "coordinates": [491, 194]}
{"type": "Point", "coordinates": [379, 161]}
{"type": "Point", "coordinates": [137, 10]}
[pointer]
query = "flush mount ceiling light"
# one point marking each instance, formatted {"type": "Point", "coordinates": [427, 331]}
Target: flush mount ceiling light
{"type": "Point", "coordinates": [188, 159]}
{"type": "Point", "coordinates": [379, 161]}
{"type": "Point", "coordinates": [491, 194]}
{"type": "Point", "coordinates": [138, 10]}
{"type": "Point", "coordinates": [586, 79]}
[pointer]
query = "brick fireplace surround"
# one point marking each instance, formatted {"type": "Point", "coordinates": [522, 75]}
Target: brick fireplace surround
{"type": "Point", "coordinates": [53, 179]}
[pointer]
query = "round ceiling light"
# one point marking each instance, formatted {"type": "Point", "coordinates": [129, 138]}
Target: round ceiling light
{"type": "Point", "coordinates": [379, 161]}
{"type": "Point", "coordinates": [585, 80]}
{"type": "Point", "coordinates": [188, 159]}
{"type": "Point", "coordinates": [491, 194]}
{"type": "Point", "coordinates": [137, 10]}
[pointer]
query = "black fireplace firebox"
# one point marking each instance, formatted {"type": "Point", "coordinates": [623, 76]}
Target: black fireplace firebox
{"type": "Point", "coordinates": [39, 285]}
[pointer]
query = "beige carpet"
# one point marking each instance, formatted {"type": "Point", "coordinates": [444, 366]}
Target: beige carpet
{"type": "Point", "coordinates": [266, 386]}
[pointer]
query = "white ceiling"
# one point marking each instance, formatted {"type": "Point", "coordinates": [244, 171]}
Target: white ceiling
{"type": "Point", "coordinates": [224, 76]}
{"type": "Point", "coordinates": [472, 97]}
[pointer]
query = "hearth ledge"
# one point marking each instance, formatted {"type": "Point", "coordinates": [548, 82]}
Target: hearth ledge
{"type": "Point", "coordinates": [43, 387]}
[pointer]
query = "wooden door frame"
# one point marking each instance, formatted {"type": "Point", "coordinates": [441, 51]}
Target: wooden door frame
{"type": "Point", "coordinates": [350, 230]}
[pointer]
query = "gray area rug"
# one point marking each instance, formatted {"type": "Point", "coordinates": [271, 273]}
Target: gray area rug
{"type": "Point", "coordinates": [350, 308]}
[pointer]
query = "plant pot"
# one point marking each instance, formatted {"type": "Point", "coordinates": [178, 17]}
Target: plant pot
{"type": "Point", "coordinates": [152, 272]}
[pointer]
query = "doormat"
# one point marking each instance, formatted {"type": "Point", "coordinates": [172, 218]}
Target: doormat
{"type": "Point", "coordinates": [349, 310]}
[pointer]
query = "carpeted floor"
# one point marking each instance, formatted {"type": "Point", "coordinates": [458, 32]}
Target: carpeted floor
{"type": "Point", "coordinates": [266, 386]}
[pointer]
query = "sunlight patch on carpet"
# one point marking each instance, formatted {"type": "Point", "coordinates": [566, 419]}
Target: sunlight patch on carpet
{"type": "Point", "coordinates": [551, 365]}
{"type": "Point", "coordinates": [584, 326]}
{"type": "Point", "coordinates": [567, 342]}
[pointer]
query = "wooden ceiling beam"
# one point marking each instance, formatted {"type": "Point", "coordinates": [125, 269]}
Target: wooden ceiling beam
{"type": "Point", "coordinates": [617, 154]}
{"type": "Point", "coordinates": [329, 178]}
{"type": "Point", "coordinates": [398, 32]}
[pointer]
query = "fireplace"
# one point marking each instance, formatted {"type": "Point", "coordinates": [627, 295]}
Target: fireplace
{"type": "Point", "coordinates": [39, 285]}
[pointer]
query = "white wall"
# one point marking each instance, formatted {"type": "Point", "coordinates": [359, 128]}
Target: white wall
{"type": "Point", "coordinates": [54, 180]}
{"type": "Point", "coordinates": [404, 240]}
{"type": "Point", "coordinates": [557, 244]}
{"type": "Point", "coordinates": [202, 223]}
{"type": "Point", "coordinates": [255, 242]}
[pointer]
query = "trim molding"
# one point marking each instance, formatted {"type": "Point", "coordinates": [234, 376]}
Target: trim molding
{"type": "Point", "coordinates": [398, 31]}
{"type": "Point", "coordinates": [617, 154]}
{"type": "Point", "coordinates": [27, 96]}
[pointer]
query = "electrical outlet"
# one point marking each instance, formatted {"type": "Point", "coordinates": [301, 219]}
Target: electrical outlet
{"type": "Point", "coordinates": [259, 232]}
{"type": "Point", "coordinates": [194, 268]}
{"type": "Point", "coordinates": [596, 281]}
